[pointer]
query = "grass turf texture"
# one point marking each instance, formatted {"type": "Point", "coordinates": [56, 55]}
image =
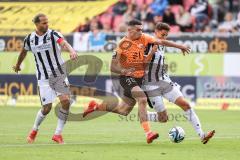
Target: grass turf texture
{"type": "Point", "coordinates": [114, 137]}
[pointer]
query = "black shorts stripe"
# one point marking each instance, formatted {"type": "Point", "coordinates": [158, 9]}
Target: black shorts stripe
{"type": "Point", "coordinates": [50, 63]}
{"type": "Point", "coordinates": [44, 68]}
{"type": "Point", "coordinates": [148, 100]}
{"type": "Point", "coordinates": [55, 53]}
{"type": "Point", "coordinates": [39, 73]}
{"type": "Point", "coordinates": [158, 68]}
{"type": "Point", "coordinates": [150, 69]}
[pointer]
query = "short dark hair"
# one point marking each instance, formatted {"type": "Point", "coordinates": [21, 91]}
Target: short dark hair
{"type": "Point", "coordinates": [162, 26]}
{"type": "Point", "coordinates": [134, 22]}
{"type": "Point", "coordinates": [36, 18]}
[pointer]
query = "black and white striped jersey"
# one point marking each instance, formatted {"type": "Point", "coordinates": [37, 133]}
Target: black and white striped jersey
{"type": "Point", "coordinates": [156, 70]}
{"type": "Point", "coordinates": [47, 53]}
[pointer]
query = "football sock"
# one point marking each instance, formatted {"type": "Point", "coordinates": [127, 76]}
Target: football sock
{"type": "Point", "coordinates": [62, 118]}
{"type": "Point", "coordinates": [146, 127]}
{"type": "Point", "coordinates": [152, 116]}
{"type": "Point", "coordinates": [39, 118]}
{"type": "Point", "coordinates": [194, 120]}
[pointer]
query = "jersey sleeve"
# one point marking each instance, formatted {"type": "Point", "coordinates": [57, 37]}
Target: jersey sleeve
{"type": "Point", "coordinates": [58, 37]}
{"type": "Point", "coordinates": [26, 43]}
{"type": "Point", "coordinates": [149, 39]}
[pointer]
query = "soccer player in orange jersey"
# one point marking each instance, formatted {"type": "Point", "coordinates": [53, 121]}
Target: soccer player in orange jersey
{"type": "Point", "coordinates": [129, 62]}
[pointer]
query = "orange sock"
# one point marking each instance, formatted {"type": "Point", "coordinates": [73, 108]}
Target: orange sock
{"type": "Point", "coordinates": [146, 126]}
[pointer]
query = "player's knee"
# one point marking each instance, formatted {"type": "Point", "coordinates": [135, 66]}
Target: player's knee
{"type": "Point", "coordinates": [186, 106]}
{"type": "Point", "coordinates": [163, 119]}
{"type": "Point", "coordinates": [183, 104]}
{"type": "Point", "coordinates": [65, 101]}
{"type": "Point", "coordinates": [46, 110]}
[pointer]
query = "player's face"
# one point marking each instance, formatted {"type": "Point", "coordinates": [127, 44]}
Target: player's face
{"type": "Point", "coordinates": [161, 34]}
{"type": "Point", "coordinates": [135, 32]}
{"type": "Point", "coordinates": [43, 24]}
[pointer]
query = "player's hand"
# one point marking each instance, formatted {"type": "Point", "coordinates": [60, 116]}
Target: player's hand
{"type": "Point", "coordinates": [128, 72]}
{"type": "Point", "coordinates": [149, 56]}
{"type": "Point", "coordinates": [16, 68]}
{"type": "Point", "coordinates": [73, 55]}
{"type": "Point", "coordinates": [185, 50]}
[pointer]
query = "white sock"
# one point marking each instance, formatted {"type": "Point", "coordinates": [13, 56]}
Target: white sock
{"type": "Point", "coordinates": [62, 118]}
{"type": "Point", "coordinates": [152, 116]}
{"type": "Point", "coordinates": [194, 120]}
{"type": "Point", "coordinates": [39, 118]}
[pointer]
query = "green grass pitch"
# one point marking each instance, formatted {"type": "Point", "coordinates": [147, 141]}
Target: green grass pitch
{"type": "Point", "coordinates": [111, 137]}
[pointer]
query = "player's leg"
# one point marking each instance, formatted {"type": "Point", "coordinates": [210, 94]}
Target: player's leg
{"type": "Point", "coordinates": [155, 101]}
{"type": "Point", "coordinates": [62, 117]}
{"type": "Point", "coordinates": [41, 114]}
{"type": "Point", "coordinates": [141, 99]}
{"type": "Point", "coordinates": [46, 97]}
{"type": "Point", "coordinates": [122, 108]}
{"type": "Point", "coordinates": [193, 119]}
{"type": "Point", "coordinates": [62, 90]}
{"type": "Point", "coordinates": [175, 96]}
{"type": "Point", "coordinates": [160, 114]}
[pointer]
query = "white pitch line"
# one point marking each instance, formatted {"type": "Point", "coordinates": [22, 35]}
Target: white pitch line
{"type": "Point", "coordinates": [92, 143]}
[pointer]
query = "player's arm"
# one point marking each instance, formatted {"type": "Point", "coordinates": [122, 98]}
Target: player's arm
{"type": "Point", "coordinates": [168, 43]}
{"type": "Point", "coordinates": [148, 57]}
{"type": "Point", "coordinates": [64, 44]}
{"type": "Point", "coordinates": [116, 67]}
{"type": "Point", "coordinates": [20, 59]}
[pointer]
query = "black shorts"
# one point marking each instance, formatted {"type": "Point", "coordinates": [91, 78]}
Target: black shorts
{"type": "Point", "coordinates": [128, 83]}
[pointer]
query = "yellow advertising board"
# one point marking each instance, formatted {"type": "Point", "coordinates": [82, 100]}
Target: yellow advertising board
{"type": "Point", "coordinates": [16, 18]}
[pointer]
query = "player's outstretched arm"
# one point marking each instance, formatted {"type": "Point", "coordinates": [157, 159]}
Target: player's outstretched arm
{"type": "Point", "coordinates": [116, 67]}
{"type": "Point", "coordinates": [20, 59]}
{"type": "Point", "coordinates": [64, 44]}
{"type": "Point", "coordinates": [185, 49]}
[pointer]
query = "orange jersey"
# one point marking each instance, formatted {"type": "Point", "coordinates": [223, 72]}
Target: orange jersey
{"type": "Point", "coordinates": [131, 53]}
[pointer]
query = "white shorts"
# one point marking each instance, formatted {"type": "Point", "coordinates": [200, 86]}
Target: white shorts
{"type": "Point", "coordinates": [48, 91]}
{"type": "Point", "coordinates": [156, 101]}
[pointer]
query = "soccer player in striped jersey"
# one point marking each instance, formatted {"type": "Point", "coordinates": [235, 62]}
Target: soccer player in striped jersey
{"type": "Point", "coordinates": [157, 84]}
{"type": "Point", "coordinates": [45, 45]}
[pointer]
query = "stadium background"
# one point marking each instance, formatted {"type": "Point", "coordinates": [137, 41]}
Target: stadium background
{"type": "Point", "coordinates": [209, 76]}
{"type": "Point", "coordinates": [210, 71]}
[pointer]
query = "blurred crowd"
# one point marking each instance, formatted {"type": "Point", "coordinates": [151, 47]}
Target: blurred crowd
{"type": "Point", "coordinates": [181, 15]}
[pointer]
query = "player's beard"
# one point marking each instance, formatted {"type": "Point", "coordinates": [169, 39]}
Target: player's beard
{"type": "Point", "coordinates": [44, 30]}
